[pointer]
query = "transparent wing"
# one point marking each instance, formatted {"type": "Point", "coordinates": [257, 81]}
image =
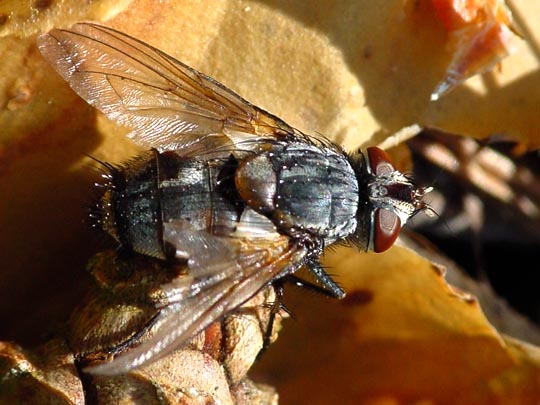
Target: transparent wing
{"type": "Point", "coordinates": [223, 274]}
{"type": "Point", "coordinates": [166, 103]}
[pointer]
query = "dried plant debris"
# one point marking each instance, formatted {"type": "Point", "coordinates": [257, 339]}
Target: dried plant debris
{"type": "Point", "coordinates": [121, 313]}
{"type": "Point", "coordinates": [503, 174]}
{"type": "Point", "coordinates": [504, 318]}
{"type": "Point", "coordinates": [118, 314]}
{"type": "Point", "coordinates": [480, 34]}
{"type": "Point", "coordinates": [403, 336]}
{"type": "Point", "coordinates": [487, 196]}
{"type": "Point", "coordinates": [46, 374]}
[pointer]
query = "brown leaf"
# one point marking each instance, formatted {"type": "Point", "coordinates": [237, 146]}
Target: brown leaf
{"type": "Point", "coordinates": [481, 34]}
{"type": "Point", "coordinates": [401, 335]}
{"type": "Point", "coordinates": [46, 375]}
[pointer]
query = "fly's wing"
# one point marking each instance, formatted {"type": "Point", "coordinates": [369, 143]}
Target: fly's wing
{"type": "Point", "coordinates": [224, 272]}
{"type": "Point", "coordinates": [166, 103]}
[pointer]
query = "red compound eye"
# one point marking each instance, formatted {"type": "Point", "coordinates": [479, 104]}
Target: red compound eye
{"type": "Point", "coordinates": [379, 161]}
{"type": "Point", "coordinates": [387, 227]}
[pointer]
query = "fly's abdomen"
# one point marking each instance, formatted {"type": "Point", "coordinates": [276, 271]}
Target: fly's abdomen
{"type": "Point", "coordinates": [158, 188]}
{"type": "Point", "coordinates": [303, 188]}
{"type": "Point", "coordinates": [200, 192]}
{"type": "Point", "coordinates": [130, 208]}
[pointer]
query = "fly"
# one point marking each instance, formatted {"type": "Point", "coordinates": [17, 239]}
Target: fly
{"type": "Point", "coordinates": [235, 192]}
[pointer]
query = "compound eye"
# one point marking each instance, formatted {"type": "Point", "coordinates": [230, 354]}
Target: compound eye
{"type": "Point", "coordinates": [379, 161]}
{"type": "Point", "coordinates": [387, 227]}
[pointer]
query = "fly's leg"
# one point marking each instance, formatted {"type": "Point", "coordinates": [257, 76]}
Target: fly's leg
{"type": "Point", "coordinates": [330, 287]}
{"type": "Point", "coordinates": [301, 283]}
{"type": "Point", "coordinates": [316, 247]}
{"type": "Point", "coordinates": [275, 307]}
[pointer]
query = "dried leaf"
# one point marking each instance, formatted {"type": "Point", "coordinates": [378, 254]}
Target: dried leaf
{"type": "Point", "coordinates": [481, 34]}
{"type": "Point", "coordinates": [402, 335]}
{"type": "Point", "coordinates": [45, 375]}
{"type": "Point", "coordinates": [211, 368]}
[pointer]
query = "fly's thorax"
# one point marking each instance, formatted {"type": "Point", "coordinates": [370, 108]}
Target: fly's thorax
{"type": "Point", "coordinates": [303, 188]}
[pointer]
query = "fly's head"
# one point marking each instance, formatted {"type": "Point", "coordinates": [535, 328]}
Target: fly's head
{"type": "Point", "coordinates": [389, 199]}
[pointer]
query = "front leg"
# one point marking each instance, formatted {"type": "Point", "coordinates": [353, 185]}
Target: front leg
{"type": "Point", "coordinates": [330, 287]}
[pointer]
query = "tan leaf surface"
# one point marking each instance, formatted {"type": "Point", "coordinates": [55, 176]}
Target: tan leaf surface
{"type": "Point", "coordinates": [401, 335]}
